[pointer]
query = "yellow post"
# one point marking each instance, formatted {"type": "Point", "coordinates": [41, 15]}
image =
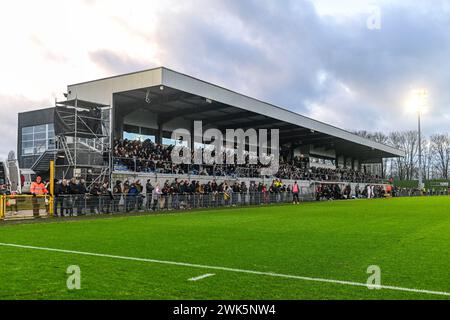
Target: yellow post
{"type": "Point", "coordinates": [52, 188]}
{"type": "Point", "coordinates": [2, 212]}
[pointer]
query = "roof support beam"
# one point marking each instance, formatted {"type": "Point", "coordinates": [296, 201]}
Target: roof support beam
{"type": "Point", "coordinates": [302, 135]}
{"type": "Point", "coordinates": [166, 117]}
{"type": "Point", "coordinates": [317, 140]}
{"type": "Point", "coordinates": [160, 98]}
{"type": "Point", "coordinates": [228, 117]}
{"type": "Point", "coordinates": [256, 124]}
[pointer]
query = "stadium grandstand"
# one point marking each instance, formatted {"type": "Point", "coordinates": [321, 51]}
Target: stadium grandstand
{"type": "Point", "coordinates": [118, 131]}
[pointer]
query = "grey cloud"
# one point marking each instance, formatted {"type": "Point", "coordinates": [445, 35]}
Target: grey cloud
{"type": "Point", "coordinates": [116, 63]}
{"type": "Point", "coordinates": [276, 50]}
{"type": "Point", "coordinates": [290, 45]}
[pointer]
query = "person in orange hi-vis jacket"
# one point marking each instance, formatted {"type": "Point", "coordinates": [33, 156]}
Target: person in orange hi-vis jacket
{"type": "Point", "coordinates": [37, 188]}
{"type": "Point", "coordinates": [389, 190]}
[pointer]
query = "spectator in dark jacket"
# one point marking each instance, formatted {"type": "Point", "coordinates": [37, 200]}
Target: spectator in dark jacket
{"type": "Point", "coordinates": [59, 199]}
{"type": "Point", "coordinates": [94, 198]}
{"type": "Point", "coordinates": [66, 200]}
{"type": "Point", "coordinates": [132, 195]}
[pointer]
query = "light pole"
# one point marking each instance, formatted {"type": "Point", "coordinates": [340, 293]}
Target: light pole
{"type": "Point", "coordinates": [422, 96]}
{"type": "Point", "coordinates": [420, 152]}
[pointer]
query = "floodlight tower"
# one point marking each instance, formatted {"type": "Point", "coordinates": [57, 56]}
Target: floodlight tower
{"type": "Point", "coordinates": [422, 96]}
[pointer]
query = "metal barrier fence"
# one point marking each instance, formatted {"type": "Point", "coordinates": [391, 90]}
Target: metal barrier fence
{"type": "Point", "coordinates": [25, 206]}
{"type": "Point", "coordinates": [76, 205]}
{"type": "Point", "coordinates": [28, 207]}
{"type": "Point", "coordinates": [418, 193]}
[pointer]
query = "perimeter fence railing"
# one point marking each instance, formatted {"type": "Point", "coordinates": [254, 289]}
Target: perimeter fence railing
{"type": "Point", "coordinates": [19, 207]}
{"type": "Point", "coordinates": [25, 206]}
{"type": "Point", "coordinates": [76, 205]}
{"type": "Point", "coordinates": [145, 166]}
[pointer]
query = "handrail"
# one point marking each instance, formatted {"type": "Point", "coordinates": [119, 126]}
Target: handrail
{"type": "Point", "coordinates": [221, 170]}
{"type": "Point", "coordinates": [53, 152]}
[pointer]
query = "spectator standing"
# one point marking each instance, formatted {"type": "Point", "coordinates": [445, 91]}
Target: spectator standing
{"type": "Point", "coordinates": [243, 190]}
{"type": "Point", "coordinates": [106, 198]}
{"type": "Point", "coordinates": [295, 192]}
{"type": "Point", "coordinates": [94, 198]}
{"type": "Point", "coordinates": [81, 197]}
{"type": "Point", "coordinates": [139, 197]}
{"type": "Point", "coordinates": [132, 197]}
{"type": "Point", "coordinates": [73, 197]}
{"type": "Point", "coordinates": [253, 190]}
{"type": "Point", "coordinates": [148, 191]}
{"type": "Point", "coordinates": [37, 188]}
{"type": "Point", "coordinates": [58, 202]}
{"type": "Point", "coordinates": [117, 194]}
{"type": "Point", "coordinates": [156, 194]}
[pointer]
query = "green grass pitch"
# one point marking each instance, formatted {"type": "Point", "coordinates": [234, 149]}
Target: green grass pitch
{"type": "Point", "coordinates": [409, 239]}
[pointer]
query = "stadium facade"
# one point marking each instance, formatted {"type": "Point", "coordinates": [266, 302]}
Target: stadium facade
{"type": "Point", "coordinates": [151, 104]}
{"type": "Point", "coordinates": [35, 135]}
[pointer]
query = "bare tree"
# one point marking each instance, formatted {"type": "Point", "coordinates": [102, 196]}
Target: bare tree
{"type": "Point", "coordinates": [440, 143]}
{"type": "Point", "coordinates": [399, 164]}
{"type": "Point", "coordinates": [435, 154]}
{"type": "Point", "coordinates": [427, 159]}
{"type": "Point", "coordinates": [380, 137]}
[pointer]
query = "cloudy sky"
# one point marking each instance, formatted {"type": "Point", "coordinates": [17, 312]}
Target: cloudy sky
{"type": "Point", "coordinates": [351, 63]}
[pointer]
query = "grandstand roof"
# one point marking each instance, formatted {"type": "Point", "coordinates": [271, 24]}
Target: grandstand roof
{"type": "Point", "coordinates": [81, 104]}
{"type": "Point", "coordinates": [175, 95]}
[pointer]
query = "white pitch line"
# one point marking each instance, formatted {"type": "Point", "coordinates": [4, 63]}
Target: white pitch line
{"type": "Point", "coordinates": [202, 277]}
{"type": "Point", "coordinates": [262, 273]}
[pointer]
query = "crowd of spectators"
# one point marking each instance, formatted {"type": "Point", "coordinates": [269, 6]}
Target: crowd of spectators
{"type": "Point", "coordinates": [143, 156]}
{"type": "Point", "coordinates": [299, 170]}
{"type": "Point", "coordinates": [72, 197]}
{"type": "Point", "coordinates": [147, 156]}
{"type": "Point", "coordinates": [340, 192]}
